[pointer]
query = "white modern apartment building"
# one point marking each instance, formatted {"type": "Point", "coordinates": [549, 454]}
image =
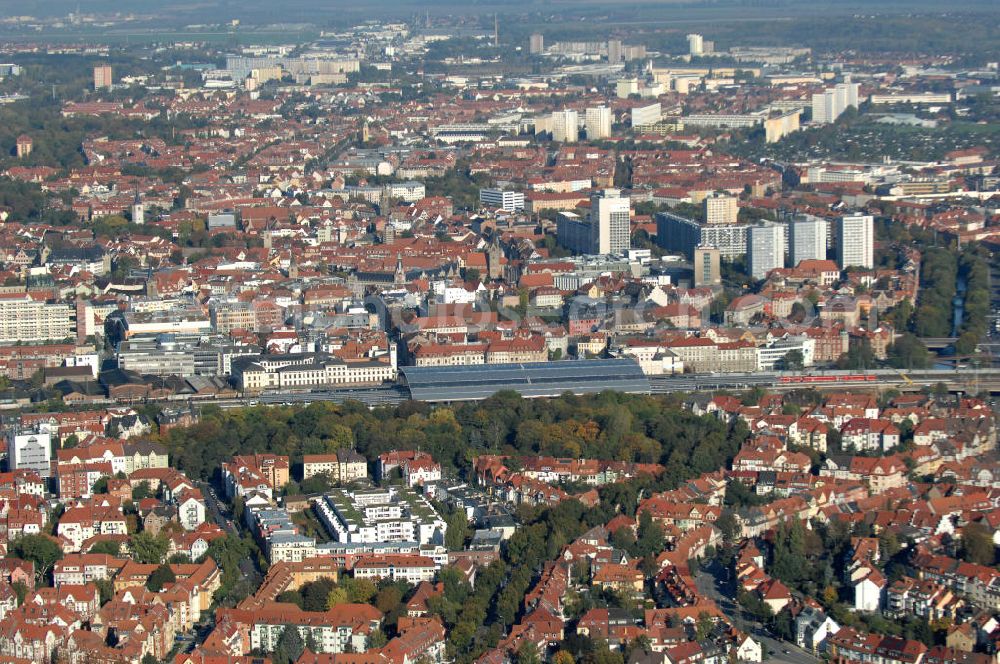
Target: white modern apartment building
{"type": "Point", "coordinates": [536, 43]}
{"type": "Point", "coordinates": [410, 191]}
{"type": "Point", "coordinates": [565, 126]}
{"type": "Point", "coordinates": [598, 122]}
{"type": "Point", "coordinates": [27, 320]}
{"type": "Point", "coordinates": [765, 249]}
{"type": "Point", "coordinates": [772, 355]}
{"type": "Point", "coordinates": [721, 209]}
{"type": "Point", "coordinates": [502, 199]}
{"type": "Point", "coordinates": [696, 44]}
{"type": "Point", "coordinates": [610, 214]}
{"type": "Point", "coordinates": [342, 629]}
{"type": "Point", "coordinates": [380, 515]}
{"type": "Point", "coordinates": [625, 87]}
{"type": "Point", "coordinates": [410, 568]}
{"type": "Point", "coordinates": [856, 241]}
{"type": "Point", "coordinates": [807, 239]}
{"type": "Point", "coordinates": [605, 231]}
{"type": "Point", "coordinates": [829, 104]}
{"type": "Point", "coordinates": [647, 115]}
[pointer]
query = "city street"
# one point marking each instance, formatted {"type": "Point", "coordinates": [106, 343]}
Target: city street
{"type": "Point", "coordinates": [215, 509]}
{"type": "Point", "coordinates": [217, 512]}
{"type": "Point", "coordinates": [711, 582]}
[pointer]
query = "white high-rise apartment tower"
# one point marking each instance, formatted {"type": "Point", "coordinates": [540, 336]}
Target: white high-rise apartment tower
{"type": "Point", "coordinates": [696, 44]}
{"type": "Point", "coordinates": [609, 222]}
{"type": "Point", "coordinates": [856, 241]}
{"type": "Point", "coordinates": [616, 51]}
{"type": "Point", "coordinates": [598, 121]}
{"type": "Point", "coordinates": [765, 249]}
{"type": "Point", "coordinates": [536, 43]}
{"type": "Point", "coordinates": [721, 209]}
{"type": "Point", "coordinates": [565, 126]}
{"type": "Point", "coordinates": [829, 104]}
{"type": "Point", "coordinates": [806, 240]}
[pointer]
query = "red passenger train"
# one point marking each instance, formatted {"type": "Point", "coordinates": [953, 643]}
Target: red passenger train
{"type": "Point", "coordinates": [830, 378]}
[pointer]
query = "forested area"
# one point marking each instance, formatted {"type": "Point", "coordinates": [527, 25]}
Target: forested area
{"type": "Point", "coordinates": [973, 267]}
{"type": "Point", "coordinates": [610, 425]}
{"type": "Point", "coordinates": [942, 270]}
{"type": "Point", "coordinates": [938, 272]}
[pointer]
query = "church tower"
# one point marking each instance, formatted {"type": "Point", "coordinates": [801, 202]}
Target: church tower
{"type": "Point", "coordinates": [494, 259]}
{"type": "Point", "coordinates": [400, 275]}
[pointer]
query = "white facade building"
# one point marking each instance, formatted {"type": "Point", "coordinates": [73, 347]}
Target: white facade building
{"type": "Point", "coordinates": [30, 451]}
{"type": "Point", "coordinates": [382, 515]}
{"type": "Point", "coordinates": [647, 115]}
{"type": "Point", "coordinates": [598, 122]}
{"type": "Point", "coordinates": [508, 201]}
{"type": "Point", "coordinates": [806, 239]}
{"type": "Point", "coordinates": [721, 209]}
{"type": "Point", "coordinates": [829, 104]}
{"type": "Point", "coordinates": [609, 212]}
{"type": "Point", "coordinates": [696, 44]}
{"type": "Point", "coordinates": [765, 249]}
{"type": "Point", "coordinates": [565, 126]}
{"type": "Point", "coordinates": [772, 355]}
{"type": "Point", "coordinates": [856, 241]}
{"type": "Point", "coordinates": [26, 320]}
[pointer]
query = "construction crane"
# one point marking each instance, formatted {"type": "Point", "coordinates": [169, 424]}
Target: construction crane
{"type": "Point", "coordinates": [909, 383]}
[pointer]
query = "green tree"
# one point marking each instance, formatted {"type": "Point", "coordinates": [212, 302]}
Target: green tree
{"type": "Point", "coordinates": [376, 639]}
{"type": "Point", "coordinates": [793, 360]}
{"type": "Point", "coordinates": [900, 315]}
{"type": "Point", "coordinates": [977, 545]}
{"type": "Point", "coordinates": [727, 525]}
{"type": "Point", "coordinates": [228, 552]}
{"type": "Point", "coordinates": [106, 590]}
{"type": "Point", "coordinates": [147, 548]}
{"type": "Point", "coordinates": [316, 595]}
{"type": "Point", "coordinates": [388, 598]}
{"type": "Point", "coordinates": [141, 490]}
{"type": "Point", "coordinates": [703, 627]}
{"type": "Point", "coordinates": [161, 577]}
{"type": "Point", "coordinates": [238, 508]}
{"type": "Point", "coordinates": [859, 355]}
{"type": "Point", "coordinates": [527, 653]}
{"type": "Point", "coordinates": [458, 524]}
{"type": "Point", "coordinates": [563, 657]}
{"type": "Point", "coordinates": [320, 483]}
{"type": "Point", "coordinates": [20, 591]}
{"type": "Point", "coordinates": [337, 596]}
{"type": "Point", "coordinates": [41, 550]}
{"type": "Point", "coordinates": [966, 343]}
{"type": "Point", "coordinates": [908, 352]}
{"type": "Point", "coordinates": [359, 591]}
{"type": "Point", "coordinates": [290, 597]}
{"type": "Point", "coordinates": [289, 646]}
{"type": "Point", "coordinates": [109, 547]}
